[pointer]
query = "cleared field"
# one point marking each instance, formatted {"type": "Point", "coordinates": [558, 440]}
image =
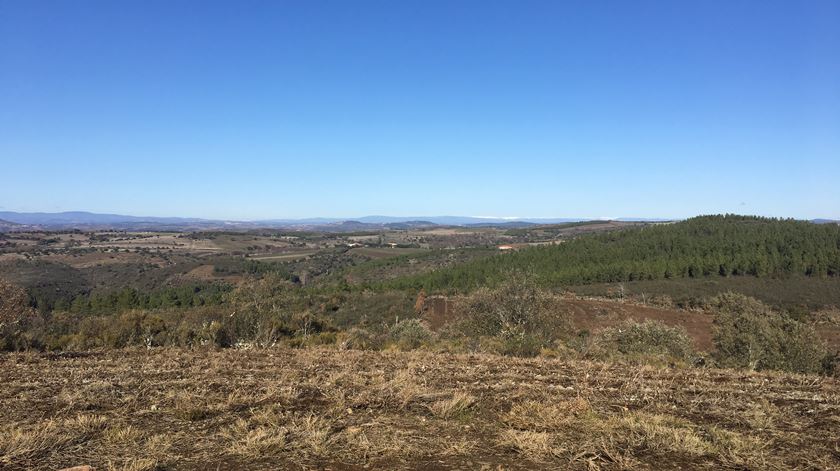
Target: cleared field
{"type": "Point", "coordinates": [286, 256]}
{"type": "Point", "coordinates": [376, 252]}
{"type": "Point", "coordinates": [92, 259]}
{"type": "Point", "coordinates": [246, 242]}
{"type": "Point", "coordinates": [328, 409]}
{"type": "Point", "coordinates": [446, 231]}
{"type": "Point", "coordinates": [151, 241]}
{"type": "Point", "coordinates": [207, 273]}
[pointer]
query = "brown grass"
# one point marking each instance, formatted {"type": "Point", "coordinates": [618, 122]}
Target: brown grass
{"type": "Point", "coordinates": [319, 408]}
{"type": "Point", "coordinates": [455, 406]}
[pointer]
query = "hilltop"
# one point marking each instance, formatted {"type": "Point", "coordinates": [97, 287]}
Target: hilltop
{"type": "Point", "coordinates": [707, 246]}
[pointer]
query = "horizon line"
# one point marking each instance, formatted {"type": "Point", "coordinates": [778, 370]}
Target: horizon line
{"type": "Point", "coordinates": [410, 218]}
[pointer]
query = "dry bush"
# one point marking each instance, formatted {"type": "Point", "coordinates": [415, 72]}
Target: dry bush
{"type": "Point", "coordinates": [518, 313]}
{"type": "Point", "coordinates": [410, 334]}
{"type": "Point", "coordinates": [645, 341]}
{"type": "Point", "coordinates": [14, 304]}
{"type": "Point", "coordinates": [17, 319]}
{"type": "Point", "coordinates": [749, 334]}
{"type": "Point", "coordinates": [359, 339]}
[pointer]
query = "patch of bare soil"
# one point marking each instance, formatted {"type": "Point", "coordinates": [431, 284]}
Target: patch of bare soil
{"type": "Point", "coordinates": [596, 314]}
{"type": "Point", "coordinates": [330, 409]}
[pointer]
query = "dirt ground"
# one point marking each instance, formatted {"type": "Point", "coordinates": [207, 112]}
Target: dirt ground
{"type": "Point", "coordinates": [593, 315]}
{"type": "Point", "coordinates": [332, 409]}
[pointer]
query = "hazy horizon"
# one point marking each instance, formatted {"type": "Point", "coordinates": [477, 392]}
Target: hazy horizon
{"type": "Point", "coordinates": [406, 217]}
{"type": "Point", "coordinates": [292, 110]}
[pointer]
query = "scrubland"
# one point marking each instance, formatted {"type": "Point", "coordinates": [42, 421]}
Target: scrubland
{"type": "Point", "coordinates": [712, 343]}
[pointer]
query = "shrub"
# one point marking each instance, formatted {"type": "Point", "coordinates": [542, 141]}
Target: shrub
{"type": "Point", "coordinates": [360, 339]}
{"type": "Point", "coordinates": [831, 364]}
{"type": "Point", "coordinates": [748, 334]}
{"type": "Point", "coordinates": [646, 339]}
{"type": "Point", "coordinates": [216, 334]}
{"type": "Point", "coordinates": [518, 312]}
{"type": "Point", "coordinates": [522, 344]}
{"type": "Point", "coordinates": [410, 334]}
{"type": "Point", "coordinates": [18, 319]}
{"type": "Point", "coordinates": [322, 338]}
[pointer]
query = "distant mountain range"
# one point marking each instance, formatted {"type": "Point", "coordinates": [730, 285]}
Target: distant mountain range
{"type": "Point", "coordinates": [93, 221]}
{"type": "Point", "coordinates": [436, 220]}
{"type": "Point", "coordinates": [14, 221]}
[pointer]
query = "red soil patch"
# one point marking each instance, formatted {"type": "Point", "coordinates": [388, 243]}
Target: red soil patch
{"type": "Point", "coordinates": [595, 314]}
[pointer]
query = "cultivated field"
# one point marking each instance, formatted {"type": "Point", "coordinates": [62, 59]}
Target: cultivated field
{"type": "Point", "coordinates": [330, 409]}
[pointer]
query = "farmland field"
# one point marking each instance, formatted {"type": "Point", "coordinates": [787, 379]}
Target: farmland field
{"type": "Point", "coordinates": [388, 252]}
{"type": "Point", "coordinates": [286, 255]}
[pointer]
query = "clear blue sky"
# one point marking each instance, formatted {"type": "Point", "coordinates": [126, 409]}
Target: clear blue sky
{"type": "Point", "coordinates": [270, 109]}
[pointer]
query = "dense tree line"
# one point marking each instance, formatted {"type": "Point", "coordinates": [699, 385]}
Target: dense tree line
{"type": "Point", "coordinates": [129, 298]}
{"type": "Point", "coordinates": [699, 247]}
{"type": "Point", "coordinates": [240, 266]}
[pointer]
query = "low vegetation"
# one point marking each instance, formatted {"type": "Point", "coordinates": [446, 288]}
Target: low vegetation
{"type": "Point", "coordinates": [517, 318]}
{"type": "Point", "coordinates": [645, 342]}
{"type": "Point", "coordinates": [329, 408]}
{"type": "Point", "coordinates": [748, 334]}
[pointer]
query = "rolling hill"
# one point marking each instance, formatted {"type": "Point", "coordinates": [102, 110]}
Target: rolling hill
{"type": "Point", "coordinates": [706, 246]}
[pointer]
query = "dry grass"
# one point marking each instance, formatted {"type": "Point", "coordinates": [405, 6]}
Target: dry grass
{"type": "Point", "coordinates": [454, 406]}
{"type": "Point", "coordinates": [536, 446]}
{"type": "Point", "coordinates": [317, 408]}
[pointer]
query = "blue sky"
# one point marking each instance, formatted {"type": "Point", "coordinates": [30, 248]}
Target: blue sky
{"type": "Point", "coordinates": [275, 109]}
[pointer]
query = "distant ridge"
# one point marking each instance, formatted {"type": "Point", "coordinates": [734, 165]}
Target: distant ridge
{"type": "Point", "coordinates": [14, 221]}
{"type": "Point", "coordinates": [70, 219]}
{"type": "Point", "coordinates": [84, 217]}
{"type": "Point", "coordinates": [8, 225]}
